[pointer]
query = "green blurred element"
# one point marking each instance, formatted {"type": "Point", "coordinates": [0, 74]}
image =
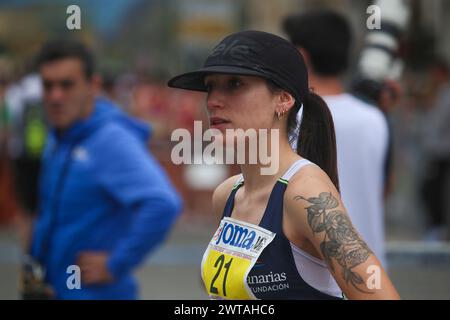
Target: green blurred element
{"type": "Point", "coordinates": [35, 132]}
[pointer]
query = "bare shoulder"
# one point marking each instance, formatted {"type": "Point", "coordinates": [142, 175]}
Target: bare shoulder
{"type": "Point", "coordinates": [221, 194]}
{"type": "Point", "coordinates": [309, 181]}
{"type": "Point", "coordinates": [308, 186]}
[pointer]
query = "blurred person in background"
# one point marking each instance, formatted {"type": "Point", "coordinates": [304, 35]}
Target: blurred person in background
{"type": "Point", "coordinates": [26, 140]}
{"type": "Point", "coordinates": [324, 38]}
{"type": "Point", "coordinates": [435, 185]}
{"type": "Point", "coordinates": [104, 201]}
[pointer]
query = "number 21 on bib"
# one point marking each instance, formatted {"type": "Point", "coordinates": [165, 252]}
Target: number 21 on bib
{"type": "Point", "coordinates": [231, 254]}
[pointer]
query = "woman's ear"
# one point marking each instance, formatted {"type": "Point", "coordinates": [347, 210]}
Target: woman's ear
{"type": "Point", "coordinates": [285, 102]}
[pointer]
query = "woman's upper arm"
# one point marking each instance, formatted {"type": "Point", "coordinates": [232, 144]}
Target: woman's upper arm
{"type": "Point", "coordinates": [315, 206]}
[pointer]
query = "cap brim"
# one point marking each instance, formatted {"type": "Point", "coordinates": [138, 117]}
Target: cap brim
{"type": "Point", "coordinates": [195, 80]}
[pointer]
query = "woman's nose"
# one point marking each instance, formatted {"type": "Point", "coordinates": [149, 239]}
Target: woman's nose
{"type": "Point", "coordinates": [215, 100]}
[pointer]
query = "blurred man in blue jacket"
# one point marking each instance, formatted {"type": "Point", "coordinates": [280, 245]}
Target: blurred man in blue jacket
{"type": "Point", "coordinates": [105, 203]}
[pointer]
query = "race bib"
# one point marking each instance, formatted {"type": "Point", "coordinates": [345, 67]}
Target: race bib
{"type": "Point", "coordinates": [230, 256]}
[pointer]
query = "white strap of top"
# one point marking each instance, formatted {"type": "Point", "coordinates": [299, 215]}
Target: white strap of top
{"type": "Point", "coordinates": [239, 180]}
{"type": "Point", "coordinates": [295, 167]}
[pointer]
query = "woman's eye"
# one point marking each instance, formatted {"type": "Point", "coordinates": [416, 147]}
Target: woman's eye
{"type": "Point", "coordinates": [234, 83]}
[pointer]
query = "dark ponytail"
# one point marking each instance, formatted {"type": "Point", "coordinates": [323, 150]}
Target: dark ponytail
{"type": "Point", "coordinates": [316, 139]}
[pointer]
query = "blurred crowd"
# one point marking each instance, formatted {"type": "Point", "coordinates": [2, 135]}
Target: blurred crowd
{"type": "Point", "coordinates": [417, 105]}
{"type": "Point", "coordinates": [23, 128]}
{"type": "Point", "coordinates": [418, 111]}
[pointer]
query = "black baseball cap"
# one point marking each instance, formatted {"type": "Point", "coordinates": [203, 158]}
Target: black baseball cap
{"type": "Point", "coordinates": [252, 53]}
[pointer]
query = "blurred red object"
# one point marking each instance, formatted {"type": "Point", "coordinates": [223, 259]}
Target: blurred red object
{"type": "Point", "coordinates": [8, 205]}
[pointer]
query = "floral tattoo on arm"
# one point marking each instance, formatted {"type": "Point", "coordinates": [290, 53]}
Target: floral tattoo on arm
{"type": "Point", "coordinates": [341, 241]}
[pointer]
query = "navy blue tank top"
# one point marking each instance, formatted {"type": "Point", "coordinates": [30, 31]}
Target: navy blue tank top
{"type": "Point", "coordinates": [275, 274]}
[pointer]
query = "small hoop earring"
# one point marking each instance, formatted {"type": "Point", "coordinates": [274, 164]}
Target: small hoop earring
{"type": "Point", "coordinates": [281, 114]}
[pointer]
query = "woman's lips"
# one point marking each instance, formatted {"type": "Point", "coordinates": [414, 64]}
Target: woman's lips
{"type": "Point", "coordinates": [218, 123]}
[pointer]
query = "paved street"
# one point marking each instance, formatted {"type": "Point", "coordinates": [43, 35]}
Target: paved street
{"type": "Point", "coordinates": [419, 271]}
